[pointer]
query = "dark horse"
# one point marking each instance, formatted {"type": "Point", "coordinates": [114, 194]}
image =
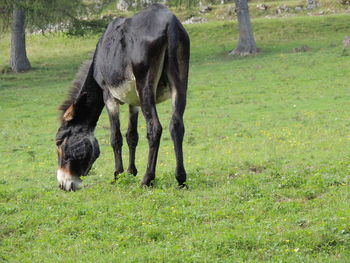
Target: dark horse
{"type": "Point", "coordinates": [141, 61]}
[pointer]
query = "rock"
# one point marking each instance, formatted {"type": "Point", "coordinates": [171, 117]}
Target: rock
{"type": "Point", "coordinates": [122, 5]}
{"type": "Point", "coordinates": [282, 9]}
{"type": "Point", "coordinates": [195, 20]}
{"type": "Point", "coordinates": [312, 4]}
{"type": "Point", "coordinates": [98, 4]}
{"type": "Point", "coordinates": [346, 42]}
{"type": "Point", "coordinates": [145, 3]}
{"type": "Point", "coordinates": [345, 2]}
{"type": "Point", "coordinates": [205, 9]}
{"type": "Point", "coordinates": [304, 48]}
{"type": "Point", "coordinates": [231, 10]}
{"type": "Point", "coordinates": [321, 13]}
{"type": "Point", "coordinates": [261, 7]}
{"type": "Point", "coordinates": [298, 8]}
{"type": "Point", "coordinates": [125, 5]}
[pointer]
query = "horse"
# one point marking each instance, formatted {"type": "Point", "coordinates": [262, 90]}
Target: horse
{"type": "Point", "coordinates": [140, 61]}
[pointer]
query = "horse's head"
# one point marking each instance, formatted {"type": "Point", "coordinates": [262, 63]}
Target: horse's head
{"type": "Point", "coordinates": [77, 148]}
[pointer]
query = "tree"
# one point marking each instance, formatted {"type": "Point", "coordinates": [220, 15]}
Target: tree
{"type": "Point", "coordinates": [19, 61]}
{"type": "Point", "coordinates": [39, 14]}
{"type": "Point", "coordinates": [246, 43]}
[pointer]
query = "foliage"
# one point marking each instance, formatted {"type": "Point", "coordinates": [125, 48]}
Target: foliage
{"type": "Point", "coordinates": [81, 27]}
{"type": "Point", "coordinates": [266, 148]}
{"type": "Point", "coordinates": [42, 14]}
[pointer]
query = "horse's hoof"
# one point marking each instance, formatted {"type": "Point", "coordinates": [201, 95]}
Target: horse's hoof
{"type": "Point", "coordinates": [116, 174]}
{"type": "Point", "coordinates": [148, 180]}
{"type": "Point", "coordinates": [114, 181]}
{"type": "Point", "coordinates": [132, 170]}
{"type": "Point", "coordinates": [183, 186]}
{"type": "Point", "coordinates": [116, 177]}
{"type": "Point", "coordinates": [180, 176]}
{"type": "Point", "coordinates": [147, 183]}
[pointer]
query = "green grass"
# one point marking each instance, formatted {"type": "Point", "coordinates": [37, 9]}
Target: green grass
{"type": "Point", "coordinates": [266, 149]}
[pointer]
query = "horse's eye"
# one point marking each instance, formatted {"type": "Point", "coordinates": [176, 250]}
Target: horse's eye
{"type": "Point", "coordinates": [59, 142]}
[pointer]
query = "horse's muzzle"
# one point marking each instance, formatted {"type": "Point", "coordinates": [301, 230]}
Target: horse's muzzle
{"type": "Point", "coordinates": [68, 182]}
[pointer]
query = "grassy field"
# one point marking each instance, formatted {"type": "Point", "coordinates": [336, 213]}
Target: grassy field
{"type": "Point", "coordinates": [266, 149]}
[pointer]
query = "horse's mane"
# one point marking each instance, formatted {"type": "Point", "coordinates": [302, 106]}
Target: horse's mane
{"type": "Point", "coordinates": [77, 84]}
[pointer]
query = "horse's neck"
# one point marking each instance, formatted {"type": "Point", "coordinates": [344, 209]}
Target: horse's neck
{"type": "Point", "coordinates": [94, 103]}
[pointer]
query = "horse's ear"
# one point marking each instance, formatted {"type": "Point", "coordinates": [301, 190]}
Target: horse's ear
{"type": "Point", "coordinates": [71, 112]}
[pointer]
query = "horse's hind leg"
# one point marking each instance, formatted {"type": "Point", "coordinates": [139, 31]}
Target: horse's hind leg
{"type": "Point", "coordinates": [132, 137]}
{"type": "Point", "coordinates": [177, 71]}
{"type": "Point", "coordinates": [177, 131]}
{"type": "Point", "coordinates": [116, 137]}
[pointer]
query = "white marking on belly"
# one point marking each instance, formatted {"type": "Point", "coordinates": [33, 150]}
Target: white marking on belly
{"type": "Point", "coordinates": [112, 106]}
{"type": "Point", "coordinates": [163, 94]}
{"type": "Point", "coordinates": [126, 92]}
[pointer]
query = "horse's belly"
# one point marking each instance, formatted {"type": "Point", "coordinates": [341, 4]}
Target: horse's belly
{"type": "Point", "coordinates": [127, 93]}
{"type": "Point", "coordinates": [163, 93]}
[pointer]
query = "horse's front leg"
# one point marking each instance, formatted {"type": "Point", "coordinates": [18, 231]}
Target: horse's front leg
{"type": "Point", "coordinates": [132, 137]}
{"type": "Point", "coordinates": [116, 138]}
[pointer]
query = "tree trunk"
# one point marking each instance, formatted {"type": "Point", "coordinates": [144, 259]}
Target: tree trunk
{"type": "Point", "coordinates": [246, 43]}
{"type": "Point", "coordinates": [19, 61]}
